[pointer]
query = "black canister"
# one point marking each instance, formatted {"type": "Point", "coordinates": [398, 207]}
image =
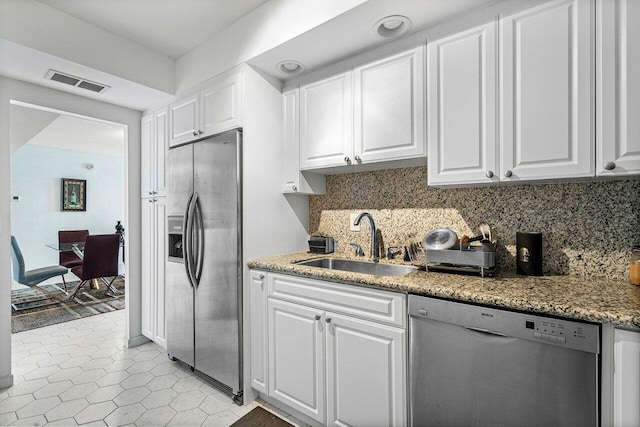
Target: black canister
{"type": "Point", "coordinates": [529, 253]}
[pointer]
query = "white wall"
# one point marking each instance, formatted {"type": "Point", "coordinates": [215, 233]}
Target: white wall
{"type": "Point", "coordinates": [11, 89]}
{"type": "Point", "coordinates": [36, 173]}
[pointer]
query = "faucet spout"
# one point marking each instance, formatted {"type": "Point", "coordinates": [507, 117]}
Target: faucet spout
{"type": "Point", "coordinates": [375, 255]}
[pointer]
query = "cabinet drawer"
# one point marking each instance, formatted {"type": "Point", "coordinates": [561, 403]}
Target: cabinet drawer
{"type": "Point", "coordinates": [372, 304]}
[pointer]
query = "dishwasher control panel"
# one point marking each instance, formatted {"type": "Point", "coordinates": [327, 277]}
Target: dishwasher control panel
{"type": "Point", "coordinates": [560, 332]}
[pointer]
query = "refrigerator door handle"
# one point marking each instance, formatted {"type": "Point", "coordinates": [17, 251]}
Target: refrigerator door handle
{"type": "Point", "coordinates": [199, 253]}
{"type": "Point", "coordinates": [188, 240]}
{"type": "Point", "coordinates": [185, 238]}
{"type": "Point", "coordinates": [192, 248]}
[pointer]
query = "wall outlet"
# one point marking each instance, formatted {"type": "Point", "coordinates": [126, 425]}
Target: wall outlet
{"type": "Point", "coordinates": [352, 219]}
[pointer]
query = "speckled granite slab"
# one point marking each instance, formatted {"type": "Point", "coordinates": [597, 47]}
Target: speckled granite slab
{"type": "Point", "coordinates": [591, 299]}
{"type": "Point", "coordinates": [588, 227]}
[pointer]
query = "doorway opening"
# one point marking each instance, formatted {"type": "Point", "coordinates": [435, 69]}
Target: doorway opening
{"type": "Point", "coordinates": [68, 173]}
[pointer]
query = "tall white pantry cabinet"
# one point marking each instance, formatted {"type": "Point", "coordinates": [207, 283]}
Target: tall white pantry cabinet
{"type": "Point", "coordinates": [153, 234]}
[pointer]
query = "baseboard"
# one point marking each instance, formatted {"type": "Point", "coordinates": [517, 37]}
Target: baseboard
{"type": "Point", "coordinates": [135, 341]}
{"type": "Point", "coordinates": [6, 381]}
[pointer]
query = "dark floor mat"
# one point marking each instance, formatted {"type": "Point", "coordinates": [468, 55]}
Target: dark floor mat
{"type": "Point", "coordinates": [259, 417]}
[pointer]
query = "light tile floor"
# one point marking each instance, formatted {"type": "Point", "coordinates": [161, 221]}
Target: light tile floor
{"type": "Point", "coordinates": [78, 373]}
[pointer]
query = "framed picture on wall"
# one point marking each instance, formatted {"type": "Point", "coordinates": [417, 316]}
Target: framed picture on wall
{"type": "Point", "coordinates": [74, 194]}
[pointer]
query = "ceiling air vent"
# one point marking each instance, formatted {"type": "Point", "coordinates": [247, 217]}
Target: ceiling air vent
{"type": "Point", "coordinates": [75, 81]}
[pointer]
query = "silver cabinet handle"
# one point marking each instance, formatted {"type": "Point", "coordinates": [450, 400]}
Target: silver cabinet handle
{"type": "Point", "coordinates": [200, 132]}
{"type": "Point", "coordinates": [261, 276]}
{"type": "Point", "coordinates": [508, 174]}
{"type": "Point", "coordinates": [328, 320]}
{"type": "Point", "coordinates": [358, 159]}
{"type": "Point", "coordinates": [151, 193]}
{"type": "Point", "coordinates": [318, 317]}
{"type": "Point", "coordinates": [294, 188]}
{"type": "Point", "coordinates": [347, 159]}
{"type": "Point", "coordinates": [489, 174]}
{"type": "Point", "coordinates": [150, 200]}
{"type": "Point", "coordinates": [610, 166]}
{"type": "Point", "coordinates": [195, 133]}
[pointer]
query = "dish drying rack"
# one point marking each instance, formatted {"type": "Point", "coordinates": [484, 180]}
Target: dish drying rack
{"type": "Point", "coordinates": [468, 260]}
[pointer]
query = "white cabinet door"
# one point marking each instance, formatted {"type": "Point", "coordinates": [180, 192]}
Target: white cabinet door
{"type": "Point", "coordinates": [366, 373]}
{"type": "Point", "coordinates": [462, 140]}
{"type": "Point", "coordinates": [547, 92]}
{"type": "Point", "coordinates": [147, 169]}
{"type": "Point", "coordinates": [184, 118]}
{"type": "Point", "coordinates": [295, 181]}
{"type": "Point", "coordinates": [618, 88]}
{"type": "Point", "coordinates": [153, 253]}
{"type": "Point", "coordinates": [626, 378]}
{"type": "Point", "coordinates": [326, 122]}
{"type": "Point", "coordinates": [389, 108]}
{"type": "Point", "coordinates": [296, 357]}
{"type": "Point", "coordinates": [259, 330]}
{"type": "Point", "coordinates": [160, 144]}
{"type": "Point", "coordinates": [220, 106]}
{"type": "Point", "coordinates": [154, 153]}
{"type": "Point", "coordinates": [148, 267]}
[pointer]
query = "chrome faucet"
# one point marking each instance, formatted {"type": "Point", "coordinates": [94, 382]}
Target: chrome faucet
{"type": "Point", "coordinates": [375, 255]}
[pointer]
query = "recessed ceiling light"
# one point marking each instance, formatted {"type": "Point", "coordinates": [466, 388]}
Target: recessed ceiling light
{"type": "Point", "coordinates": [289, 67]}
{"type": "Point", "coordinates": [392, 26]}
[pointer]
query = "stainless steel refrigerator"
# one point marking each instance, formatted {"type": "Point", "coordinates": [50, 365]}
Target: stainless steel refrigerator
{"type": "Point", "coordinates": [204, 271]}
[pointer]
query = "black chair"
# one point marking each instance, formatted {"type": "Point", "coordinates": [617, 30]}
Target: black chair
{"type": "Point", "coordinates": [100, 260]}
{"type": "Point", "coordinates": [69, 259]}
{"type": "Point", "coordinates": [31, 278]}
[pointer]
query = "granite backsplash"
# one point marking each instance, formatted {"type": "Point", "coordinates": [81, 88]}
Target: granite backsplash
{"type": "Point", "coordinates": [588, 227]}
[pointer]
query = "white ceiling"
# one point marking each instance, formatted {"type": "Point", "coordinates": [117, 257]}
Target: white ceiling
{"type": "Point", "coordinates": [168, 27]}
{"type": "Point", "coordinates": [45, 128]}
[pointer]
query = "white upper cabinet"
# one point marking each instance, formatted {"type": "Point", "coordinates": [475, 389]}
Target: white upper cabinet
{"type": "Point", "coordinates": [369, 115]}
{"type": "Point", "coordinates": [618, 87]}
{"type": "Point", "coordinates": [220, 106]}
{"type": "Point", "coordinates": [211, 110]}
{"type": "Point", "coordinates": [389, 108]}
{"type": "Point", "coordinates": [184, 120]}
{"type": "Point", "coordinates": [295, 181]}
{"type": "Point", "coordinates": [462, 107]}
{"type": "Point", "coordinates": [153, 154]}
{"type": "Point", "coordinates": [547, 92]}
{"type": "Point", "coordinates": [326, 122]}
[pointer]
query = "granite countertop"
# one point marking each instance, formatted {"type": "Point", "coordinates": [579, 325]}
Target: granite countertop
{"type": "Point", "coordinates": [584, 298]}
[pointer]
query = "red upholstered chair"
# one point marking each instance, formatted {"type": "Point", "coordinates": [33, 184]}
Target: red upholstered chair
{"type": "Point", "coordinates": [100, 260]}
{"type": "Point", "coordinates": [70, 259]}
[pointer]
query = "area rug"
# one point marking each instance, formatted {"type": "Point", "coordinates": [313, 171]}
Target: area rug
{"type": "Point", "coordinates": [32, 309]}
{"type": "Point", "coordinates": [259, 417]}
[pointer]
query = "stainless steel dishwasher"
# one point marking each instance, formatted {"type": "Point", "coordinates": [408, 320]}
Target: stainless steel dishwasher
{"type": "Point", "coordinates": [476, 366]}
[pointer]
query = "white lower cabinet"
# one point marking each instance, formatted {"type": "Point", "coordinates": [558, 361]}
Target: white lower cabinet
{"type": "Point", "coordinates": [153, 269]}
{"type": "Point", "coordinates": [626, 378]}
{"type": "Point", "coordinates": [365, 372]}
{"type": "Point", "coordinates": [336, 353]}
{"type": "Point", "coordinates": [297, 357]}
{"type": "Point", "coordinates": [259, 331]}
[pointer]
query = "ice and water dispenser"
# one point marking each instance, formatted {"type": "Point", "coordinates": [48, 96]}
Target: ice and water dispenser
{"type": "Point", "coordinates": [174, 226]}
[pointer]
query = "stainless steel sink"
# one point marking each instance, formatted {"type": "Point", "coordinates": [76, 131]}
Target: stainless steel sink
{"type": "Point", "coordinates": [359, 266]}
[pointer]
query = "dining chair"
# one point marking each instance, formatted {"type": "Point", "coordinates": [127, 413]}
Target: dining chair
{"type": "Point", "coordinates": [32, 278]}
{"type": "Point", "coordinates": [100, 260]}
{"type": "Point", "coordinates": [69, 259]}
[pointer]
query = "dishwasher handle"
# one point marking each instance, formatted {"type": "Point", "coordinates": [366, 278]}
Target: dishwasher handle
{"type": "Point", "coordinates": [487, 331]}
